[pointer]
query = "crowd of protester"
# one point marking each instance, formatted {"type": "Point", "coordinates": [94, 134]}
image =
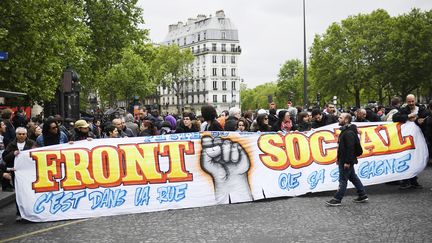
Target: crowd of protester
{"type": "Point", "coordinates": [17, 133]}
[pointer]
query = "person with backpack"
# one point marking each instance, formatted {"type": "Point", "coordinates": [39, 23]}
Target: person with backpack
{"type": "Point", "coordinates": [349, 149]}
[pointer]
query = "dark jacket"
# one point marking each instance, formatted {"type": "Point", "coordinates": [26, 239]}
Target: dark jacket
{"type": "Point", "coordinates": [213, 126]}
{"type": "Point", "coordinates": [9, 135]}
{"type": "Point", "coordinates": [184, 129]}
{"type": "Point", "coordinates": [326, 120]}
{"type": "Point", "coordinates": [77, 135]}
{"type": "Point", "coordinates": [127, 132]}
{"type": "Point", "coordinates": [231, 124]}
{"type": "Point", "coordinates": [304, 126]}
{"type": "Point", "coordinates": [346, 141]}
{"type": "Point", "coordinates": [8, 154]}
{"type": "Point", "coordinates": [402, 114]}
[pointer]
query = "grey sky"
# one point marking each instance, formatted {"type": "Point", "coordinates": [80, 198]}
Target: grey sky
{"type": "Point", "coordinates": [270, 31]}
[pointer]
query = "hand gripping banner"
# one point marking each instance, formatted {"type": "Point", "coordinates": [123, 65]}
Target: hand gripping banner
{"type": "Point", "coordinates": [134, 175]}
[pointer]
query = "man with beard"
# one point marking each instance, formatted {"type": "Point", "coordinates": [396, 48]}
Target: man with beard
{"type": "Point", "coordinates": [82, 131]}
{"type": "Point", "coordinates": [51, 134]}
{"type": "Point", "coordinates": [320, 119]}
{"type": "Point", "coordinates": [411, 112]}
{"type": "Point", "coordinates": [346, 159]}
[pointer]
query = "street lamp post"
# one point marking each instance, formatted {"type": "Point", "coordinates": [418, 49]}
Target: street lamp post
{"type": "Point", "coordinates": [305, 82]}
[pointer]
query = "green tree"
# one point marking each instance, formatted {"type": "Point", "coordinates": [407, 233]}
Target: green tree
{"type": "Point", "coordinates": [170, 69]}
{"type": "Point", "coordinates": [257, 97]}
{"type": "Point", "coordinates": [130, 77]}
{"type": "Point", "coordinates": [114, 26]}
{"type": "Point", "coordinates": [410, 53]}
{"type": "Point", "coordinates": [349, 57]}
{"type": "Point", "coordinates": [290, 83]}
{"type": "Point", "coordinates": [42, 38]}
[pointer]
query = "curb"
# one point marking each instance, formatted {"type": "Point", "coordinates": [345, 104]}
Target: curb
{"type": "Point", "coordinates": [6, 198]}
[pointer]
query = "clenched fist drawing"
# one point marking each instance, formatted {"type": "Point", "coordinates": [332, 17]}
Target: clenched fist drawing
{"type": "Point", "coordinates": [228, 164]}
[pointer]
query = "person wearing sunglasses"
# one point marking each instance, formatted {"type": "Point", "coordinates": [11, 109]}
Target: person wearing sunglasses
{"type": "Point", "coordinates": [51, 134]}
{"type": "Point", "coordinates": [263, 123]}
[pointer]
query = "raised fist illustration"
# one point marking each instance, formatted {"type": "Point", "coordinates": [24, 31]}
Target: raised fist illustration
{"type": "Point", "coordinates": [228, 164]}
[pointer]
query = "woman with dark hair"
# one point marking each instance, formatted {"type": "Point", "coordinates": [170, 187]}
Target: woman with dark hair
{"type": "Point", "coordinates": [262, 123]}
{"type": "Point", "coordinates": [209, 114]}
{"type": "Point", "coordinates": [111, 131]}
{"type": "Point", "coordinates": [284, 122]}
{"type": "Point", "coordinates": [242, 125]}
{"type": "Point", "coordinates": [51, 134]}
{"type": "Point", "coordinates": [303, 121]}
{"type": "Point", "coordinates": [147, 129]}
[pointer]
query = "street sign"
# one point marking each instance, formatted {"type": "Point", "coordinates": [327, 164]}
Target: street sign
{"type": "Point", "coordinates": [3, 55]}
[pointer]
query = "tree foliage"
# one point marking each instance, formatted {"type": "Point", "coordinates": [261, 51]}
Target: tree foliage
{"type": "Point", "coordinates": [42, 38]}
{"type": "Point", "coordinates": [257, 98]}
{"type": "Point", "coordinates": [129, 78]}
{"type": "Point", "coordinates": [290, 83]}
{"type": "Point", "coordinates": [373, 56]}
{"type": "Point", "coordinates": [170, 69]}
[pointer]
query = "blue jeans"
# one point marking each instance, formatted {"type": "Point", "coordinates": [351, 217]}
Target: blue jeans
{"type": "Point", "coordinates": [344, 176]}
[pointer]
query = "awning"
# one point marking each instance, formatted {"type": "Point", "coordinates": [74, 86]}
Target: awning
{"type": "Point", "coordinates": [10, 94]}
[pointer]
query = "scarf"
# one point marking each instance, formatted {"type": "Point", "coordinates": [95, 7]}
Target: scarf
{"type": "Point", "coordinates": [286, 125]}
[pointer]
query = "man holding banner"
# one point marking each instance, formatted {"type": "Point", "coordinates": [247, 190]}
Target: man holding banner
{"type": "Point", "coordinates": [346, 158]}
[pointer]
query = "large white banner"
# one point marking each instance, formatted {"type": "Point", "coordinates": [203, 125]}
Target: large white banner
{"type": "Point", "coordinates": [134, 175]}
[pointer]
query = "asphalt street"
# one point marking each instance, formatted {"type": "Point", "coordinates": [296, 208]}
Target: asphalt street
{"type": "Point", "coordinates": [391, 215]}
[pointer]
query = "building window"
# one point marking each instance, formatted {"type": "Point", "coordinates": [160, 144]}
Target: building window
{"type": "Point", "coordinates": [233, 86]}
{"type": "Point", "coordinates": [204, 47]}
{"type": "Point", "coordinates": [203, 72]}
{"type": "Point", "coordinates": [197, 72]}
{"type": "Point", "coordinates": [213, 46]}
{"type": "Point", "coordinates": [184, 41]}
{"type": "Point", "coordinates": [224, 98]}
{"type": "Point", "coordinates": [223, 35]}
{"type": "Point", "coordinates": [224, 72]}
{"type": "Point", "coordinates": [192, 49]}
{"type": "Point", "coordinates": [205, 35]}
{"type": "Point", "coordinates": [224, 85]}
{"type": "Point", "coordinates": [214, 59]}
{"type": "Point", "coordinates": [232, 47]}
{"type": "Point", "coordinates": [199, 37]}
{"type": "Point", "coordinates": [198, 49]}
{"type": "Point", "coordinates": [204, 57]}
{"type": "Point", "coordinates": [233, 59]}
{"type": "Point", "coordinates": [214, 71]}
{"type": "Point", "coordinates": [214, 85]}
{"type": "Point", "coordinates": [233, 72]}
{"type": "Point", "coordinates": [223, 47]}
{"type": "Point", "coordinates": [223, 59]}
{"type": "Point", "coordinates": [214, 98]}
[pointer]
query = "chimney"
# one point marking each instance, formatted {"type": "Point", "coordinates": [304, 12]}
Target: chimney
{"type": "Point", "coordinates": [220, 14]}
{"type": "Point", "coordinates": [172, 27]}
{"type": "Point", "coordinates": [201, 17]}
{"type": "Point", "coordinates": [190, 21]}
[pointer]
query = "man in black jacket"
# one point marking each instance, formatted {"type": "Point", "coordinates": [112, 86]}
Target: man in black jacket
{"type": "Point", "coordinates": [320, 119]}
{"type": "Point", "coordinates": [20, 143]}
{"type": "Point", "coordinates": [231, 121]}
{"type": "Point", "coordinates": [346, 160]}
{"type": "Point", "coordinates": [417, 114]}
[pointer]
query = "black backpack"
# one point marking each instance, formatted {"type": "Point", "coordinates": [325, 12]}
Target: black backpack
{"type": "Point", "coordinates": [358, 150]}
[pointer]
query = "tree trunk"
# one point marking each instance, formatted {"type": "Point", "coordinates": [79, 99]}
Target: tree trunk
{"type": "Point", "coordinates": [357, 97]}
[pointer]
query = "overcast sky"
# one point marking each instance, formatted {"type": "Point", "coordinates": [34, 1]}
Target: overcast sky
{"type": "Point", "coordinates": [270, 31]}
